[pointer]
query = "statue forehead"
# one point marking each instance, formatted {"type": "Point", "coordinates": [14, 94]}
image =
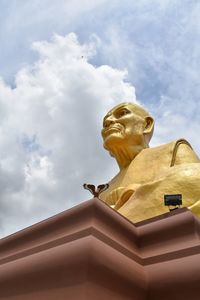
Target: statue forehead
{"type": "Point", "coordinates": [138, 110]}
{"type": "Point", "coordinates": [125, 104]}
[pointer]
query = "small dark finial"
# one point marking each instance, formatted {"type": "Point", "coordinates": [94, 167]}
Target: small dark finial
{"type": "Point", "coordinates": [96, 191]}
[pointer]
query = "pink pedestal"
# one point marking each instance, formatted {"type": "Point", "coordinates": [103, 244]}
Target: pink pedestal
{"type": "Point", "coordinates": [91, 252]}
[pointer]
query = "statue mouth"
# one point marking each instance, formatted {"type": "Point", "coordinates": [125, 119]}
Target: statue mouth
{"type": "Point", "coordinates": [113, 128]}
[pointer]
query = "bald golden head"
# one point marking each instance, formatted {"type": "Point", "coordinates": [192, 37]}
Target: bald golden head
{"type": "Point", "coordinates": [127, 124]}
{"type": "Point", "coordinates": [135, 108]}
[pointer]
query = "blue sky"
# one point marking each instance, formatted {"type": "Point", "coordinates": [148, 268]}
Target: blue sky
{"type": "Point", "coordinates": [63, 64]}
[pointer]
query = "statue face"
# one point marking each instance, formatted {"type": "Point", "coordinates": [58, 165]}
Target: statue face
{"type": "Point", "coordinates": [122, 127]}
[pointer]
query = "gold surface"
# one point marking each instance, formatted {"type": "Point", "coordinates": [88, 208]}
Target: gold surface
{"type": "Point", "coordinates": [146, 174]}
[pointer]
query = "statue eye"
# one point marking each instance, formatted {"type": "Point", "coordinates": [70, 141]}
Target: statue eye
{"type": "Point", "coordinates": [122, 113]}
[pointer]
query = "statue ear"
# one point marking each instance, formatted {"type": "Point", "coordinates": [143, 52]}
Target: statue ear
{"type": "Point", "coordinates": [149, 125]}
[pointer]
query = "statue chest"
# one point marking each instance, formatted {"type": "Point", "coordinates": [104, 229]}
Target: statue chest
{"type": "Point", "coordinates": [146, 167]}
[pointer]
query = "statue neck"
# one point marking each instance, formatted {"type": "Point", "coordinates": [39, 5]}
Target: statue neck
{"type": "Point", "coordinates": [124, 156]}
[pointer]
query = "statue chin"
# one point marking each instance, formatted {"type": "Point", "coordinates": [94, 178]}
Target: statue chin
{"type": "Point", "coordinates": [114, 140]}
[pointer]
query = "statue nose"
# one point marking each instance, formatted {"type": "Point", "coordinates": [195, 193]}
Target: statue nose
{"type": "Point", "coordinates": [109, 121]}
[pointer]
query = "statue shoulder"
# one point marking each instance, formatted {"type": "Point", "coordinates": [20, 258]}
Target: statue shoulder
{"type": "Point", "coordinates": [183, 153]}
{"type": "Point", "coordinates": [174, 153]}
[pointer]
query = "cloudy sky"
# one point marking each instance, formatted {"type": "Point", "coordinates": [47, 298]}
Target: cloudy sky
{"type": "Point", "coordinates": [63, 64]}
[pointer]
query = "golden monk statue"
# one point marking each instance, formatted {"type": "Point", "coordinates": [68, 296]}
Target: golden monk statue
{"type": "Point", "coordinates": [147, 174]}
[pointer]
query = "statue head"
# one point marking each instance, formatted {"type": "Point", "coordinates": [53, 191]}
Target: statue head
{"type": "Point", "coordinates": [127, 129]}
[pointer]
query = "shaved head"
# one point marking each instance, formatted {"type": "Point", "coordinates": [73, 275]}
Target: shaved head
{"type": "Point", "coordinates": [137, 109]}
{"type": "Point", "coordinates": [128, 128]}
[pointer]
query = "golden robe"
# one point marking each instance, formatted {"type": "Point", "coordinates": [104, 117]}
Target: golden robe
{"type": "Point", "coordinates": [137, 191]}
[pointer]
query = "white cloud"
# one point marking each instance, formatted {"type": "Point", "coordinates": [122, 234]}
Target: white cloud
{"type": "Point", "coordinates": [62, 98]}
{"type": "Point", "coordinates": [50, 130]}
